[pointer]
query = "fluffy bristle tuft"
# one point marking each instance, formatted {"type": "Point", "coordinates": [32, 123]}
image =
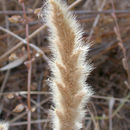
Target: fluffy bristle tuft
{"type": "Point", "coordinates": [70, 91]}
{"type": "Point", "coordinates": [4, 125]}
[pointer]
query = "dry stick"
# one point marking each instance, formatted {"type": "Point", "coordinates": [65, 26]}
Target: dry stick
{"type": "Point", "coordinates": [21, 43]}
{"type": "Point", "coordinates": [101, 12]}
{"type": "Point", "coordinates": [21, 31]}
{"type": "Point", "coordinates": [25, 92]}
{"type": "Point", "coordinates": [7, 26]}
{"type": "Point", "coordinates": [38, 100]}
{"type": "Point", "coordinates": [4, 82]}
{"type": "Point", "coordinates": [125, 59]}
{"type": "Point", "coordinates": [87, 3]}
{"type": "Point", "coordinates": [10, 12]}
{"type": "Point", "coordinates": [35, 4]}
{"type": "Point", "coordinates": [116, 111]}
{"type": "Point", "coordinates": [38, 104]}
{"type": "Point", "coordinates": [95, 122]}
{"type": "Point", "coordinates": [108, 98]}
{"type": "Point", "coordinates": [45, 124]}
{"type": "Point", "coordinates": [24, 113]}
{"type": "Point", "coordinates": [95, 111]}
{"type": "Point", "coordinates": [29, 67]}
{"type": "Point", "coordinates": [74, 4]}
{"type": "Point", "coordinates": [118, 33]}
{"type": "Point", "coordinates": [47, 93]}
{"type": "Point", "coordinates": [97, 117]}
{"type": "Point", "coordinates": [8, 71]}
{"type": "Point", "coordinates": [6, 18]}
{"type": "Point", "coordinates": [121, 105]}
{"type": "Point", "coordinates": [23, 40]}
{"type": "Point", "coordinates": [111, 104]}
{"type": "Point", "coordinates": [96, 21]}
{"type": "Point", "coordinates": [32, 122]}
{"type": "Point", "coordinates": [91, 33]}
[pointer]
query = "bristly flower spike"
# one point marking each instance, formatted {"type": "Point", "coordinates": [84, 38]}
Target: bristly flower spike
{"type": "Point", "coordinates": [69, 68]}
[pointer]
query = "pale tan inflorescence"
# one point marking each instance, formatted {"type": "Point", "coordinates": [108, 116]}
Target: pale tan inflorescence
{"type": "Point", "coordinates": [4, 125]}
{"type": "Point", "coordinates": [69, 68]}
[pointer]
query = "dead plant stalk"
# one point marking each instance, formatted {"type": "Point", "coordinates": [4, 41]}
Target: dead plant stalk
{"type": "Point", "coordinates": [29, 68]}
{"type": "Point", "coordinates": [68, 64]}
{"type": "Point", "coordinates": [121, 45]}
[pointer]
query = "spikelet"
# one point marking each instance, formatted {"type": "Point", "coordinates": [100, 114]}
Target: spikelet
{"type": "Point", "coordinates": [4, 125]}
{"type": "Point", "coordinates": [68, 67]}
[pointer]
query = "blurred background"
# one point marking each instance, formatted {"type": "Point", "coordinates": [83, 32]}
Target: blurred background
{"type": "Point", "coordinates": [106, 25]}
